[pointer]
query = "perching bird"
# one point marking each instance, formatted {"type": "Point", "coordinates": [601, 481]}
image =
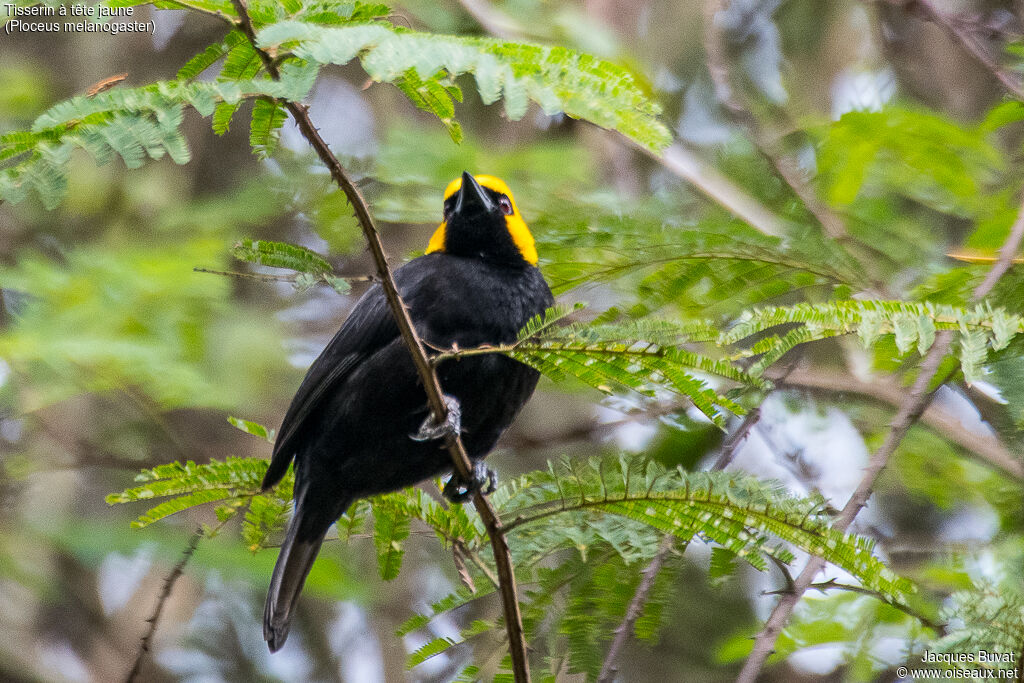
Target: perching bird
{"type": "Point", "coordinates": [360, 425]}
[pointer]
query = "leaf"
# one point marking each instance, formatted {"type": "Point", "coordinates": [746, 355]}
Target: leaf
{"type": "Point", "coordinates": [202, 61]}
{"type": "Point", "coordinates": [253, 428]}
{"type": "Point", "coordinates": [389, 530]}
{"type": "Point", "coordinates": [557, 78]}
{"type": "Point", "coordinates": [734, 511]}
{"type": "Point", "coordinates": [911, 324]}
{"type": "Point", "coordinates": [264, 131]}
{"type": "Point", "coordinates": [280, 255]}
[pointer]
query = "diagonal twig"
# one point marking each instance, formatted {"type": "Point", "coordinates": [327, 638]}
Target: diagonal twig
{"type": "Point", "coordinates": [911, 408]}
{"type": "Point", "coordinates": [964, 34]}
{"type": "Point", "coordinates": [636, 606]}
{"type": "Point", "coordinates": [165, 593]}
{"type": "Point", "coordinates": [728, 94]}
{"type": "Point", "coordinates": [460, 459]}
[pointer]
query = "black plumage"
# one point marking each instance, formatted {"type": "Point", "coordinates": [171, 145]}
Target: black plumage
{"type": "Point", "coordinates": [350, 424]}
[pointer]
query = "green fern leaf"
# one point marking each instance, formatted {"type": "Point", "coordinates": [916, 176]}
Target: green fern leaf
{"type": "Point", "coordinates": [558, 79]}
{"type": "Point", "coordinates": [390, 529]}
{"type": "Point", "coordinates": [280, 255]}
{"type": "Point", "coordinates": [254, 428]}
{"type": "Point", "coordinates": [264, 131]}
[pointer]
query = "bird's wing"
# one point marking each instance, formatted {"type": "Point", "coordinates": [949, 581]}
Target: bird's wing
{"type": "Point", "coordinates": [368, 328]}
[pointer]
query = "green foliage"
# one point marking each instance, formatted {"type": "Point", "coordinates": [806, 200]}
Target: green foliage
{"type": "Point", "coordinates": [906, 181]}
{"type": "Point", "coordinates": [390, 528]}
{"type": "Point", "coordinates": [312, 267]}
{"type": "Point", "coordinates": [280, 255]}
{"type": "Point", "coordinates": [989, 618]}
{"type": "Point", "coordinates": [646, 357]}
{"type": "Point", "coordinates": [254, 428]}
{"type": "Point", "coordinates": [131, 123]}
{"type": "Point", "coordinates": [264, 133]}
{"type": "Point", "coordinates": [916, 153]}
{"type": "Point", "coordinates": [736, 511]}
{"type": "Point", "coordinates": [98, 320]}
{"type": "Point", "coordinates": [558, 79]}
{"type": "Point", "coordinates": [192, 485]}
{"type": "Point", "coordinates": [911, 325]}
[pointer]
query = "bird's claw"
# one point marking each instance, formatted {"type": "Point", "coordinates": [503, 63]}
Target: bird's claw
{"type": "Point", "coordinates": [451, 426]}
{"type": "Point", "coordinates": [483, 480]}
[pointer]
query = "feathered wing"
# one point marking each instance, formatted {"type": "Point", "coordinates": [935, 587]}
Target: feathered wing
{"type": "Point", "coordinates": [368, 328]}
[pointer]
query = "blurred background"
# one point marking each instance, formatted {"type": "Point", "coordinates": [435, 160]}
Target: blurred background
{"type": "Point", "coordinates": [115, 354]}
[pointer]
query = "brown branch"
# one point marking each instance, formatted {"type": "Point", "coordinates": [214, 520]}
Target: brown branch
{"type": "Point", "coordinates": [832, 584]}
{"type": "Point", "coordinates": [986, 448]}
{"type": "Point", "coordinates": [964, 33]}
{"type": "Point", "coordinates": [435, 399]}
{"type": "Point", "coordinates": [165, 593]}
{"type": "Point", "coordinates": [911, 408]}
{"type": "Point", "coordinates": [731, 445]}
{"type": "Point", "coordinates": [728, 94]}
{"type": "Point", "coordinates": [636, 606]}
{"type": "Point", "coordinates": [684, 163]}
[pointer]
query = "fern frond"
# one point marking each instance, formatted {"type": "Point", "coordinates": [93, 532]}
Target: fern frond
{"type": "Point", "coordinates": [440, 645]}
{"type": "Point", "coordinates": [390, 529]}
{"type": "Point", "coordinates": [264, 130]}
{"type": "Point", "coordinates": [911, 324]}
{"type": "Point", "coordinates": [643, 356]}
{"type": "Point", "coordinates": [280, 255]}
{"type": "Point", "coordinates": [205, 59]}
{"type": "Point", "coordinates": [193, 485]}
{"type": "Point", "coordinates": [988, 618]}
{"type": "Point", "coordinates": [133, 123]}
{"type": "Point", "coordinates": [737, 512]}
{"type": "Point", "coordinates": [558, 79]}
{"type": "Point", "coordinates": [266, 515]}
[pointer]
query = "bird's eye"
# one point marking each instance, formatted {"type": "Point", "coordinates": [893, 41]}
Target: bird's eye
{"type": "Point", "coordinates": [506, 205]}
{"type": "Point", "coordinates": [446, 213]}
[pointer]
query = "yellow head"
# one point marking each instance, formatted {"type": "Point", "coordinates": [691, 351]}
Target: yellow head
{"type": "Point", "coordinates": [481, 219]}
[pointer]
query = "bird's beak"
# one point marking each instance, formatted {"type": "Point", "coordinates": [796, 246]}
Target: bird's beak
{"type": "Point", "coordinates": [472, 198]}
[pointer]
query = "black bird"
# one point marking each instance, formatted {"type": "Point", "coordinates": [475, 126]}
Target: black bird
{"type": "Point", "coordinates": [360, 425]}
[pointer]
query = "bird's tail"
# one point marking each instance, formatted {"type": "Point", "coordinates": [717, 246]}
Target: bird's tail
{"type": "Point", "coordinates": [298, 552]}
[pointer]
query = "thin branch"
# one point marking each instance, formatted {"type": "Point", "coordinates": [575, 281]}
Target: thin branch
{"type": "Point", "coordinates": [684, 163]}
{"type": "Point", "coordinates": [988, 449]}
{"type": "Point", "coordinates": [165, 593]}
{"type": "Point", "coordinates": [636, 606]}
{"type": "Point", "coordinates": [911, 408]}
{"type": "Point", "coordinates": [1007, 252]}
{"type": "Point", "coordinates": [435, 399]}
{"type": "Point", "coordinates": [832, 584]}
{"type": "Point", "coordinates": [736, 438]}
{"type": "Point", "coordinates": [272, 277]}
{"type": "Point", "coordinates": [728, 95]}
{"type": "Point", "coordinates": [964, 33]}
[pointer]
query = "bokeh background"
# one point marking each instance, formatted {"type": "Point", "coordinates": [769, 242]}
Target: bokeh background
{"type": "Point", "coordinates": [115, 354]}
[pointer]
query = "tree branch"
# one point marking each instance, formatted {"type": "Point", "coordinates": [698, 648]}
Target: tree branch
{"type": "Point", "coordinates": [961, 32]}
{"type": "Point", "coordinates": [460, 459]}
{"type": "Point", "coordinates": [911, 408]}
{"type": "Point", "coordinates": [832, 584]}
{"type": "Point", "coordinates": [728, 95]}
{"type": "Point", "coordinates": [988, 449]}
{"type": "Point", "coordinates": [636, 606]}
{"type": "Point", "coordinates": [684, 163]}
{"type": "Point", "coordinates": [165, 593]}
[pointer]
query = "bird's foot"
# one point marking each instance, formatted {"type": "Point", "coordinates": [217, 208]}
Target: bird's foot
{"type": "Point", "coordinates": [451, 426]}
{"type": "Point", "coordinates": [483, 479]}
